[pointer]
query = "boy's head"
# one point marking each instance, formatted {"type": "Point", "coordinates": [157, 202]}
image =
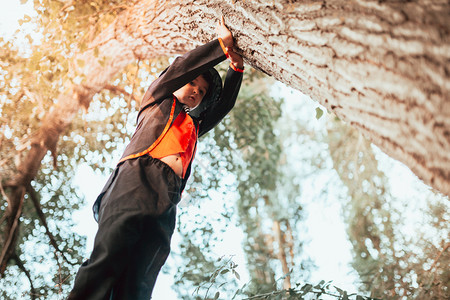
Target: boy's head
{"type": "Point", "coordinates": [193, 93]}
{"type": "Point", "coordinates": [201, 93]}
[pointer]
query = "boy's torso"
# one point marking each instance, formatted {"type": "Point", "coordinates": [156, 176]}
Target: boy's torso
{"type": "Point", "coordinates": [174, 162]}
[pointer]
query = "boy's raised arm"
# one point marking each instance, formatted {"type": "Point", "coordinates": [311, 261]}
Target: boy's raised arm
{"type": "Point", "coordinates": [230, 92]}
{"type": "Point", "coordinates": [184, 69]}
{"type": "Point", "coordinates": [192, 64]}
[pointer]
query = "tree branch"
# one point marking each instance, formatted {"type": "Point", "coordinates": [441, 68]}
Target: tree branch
{"type": "Point", "coordinates": [119, 90]}
{"type": "Point", "coordinates": [2, 192]}
{"type": "Point", "coordinates": [41, 215]}
{"type": "Point", "coordinates": [27, 273]}
{"type": "Point", "coordinates": [11, 233]}
{"type": "Point", "coordinates": [439, 256]}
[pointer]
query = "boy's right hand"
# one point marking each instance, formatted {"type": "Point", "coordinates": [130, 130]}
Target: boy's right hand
{"type": "Point", "coordinates": [224, 33]}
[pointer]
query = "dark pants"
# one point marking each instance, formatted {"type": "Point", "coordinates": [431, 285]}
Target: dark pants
{"type": "Point", "coordinates": [136, 222]}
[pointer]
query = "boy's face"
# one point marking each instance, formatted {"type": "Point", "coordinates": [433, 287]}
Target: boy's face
{"type": "Point", "coordinates": [192, 93]}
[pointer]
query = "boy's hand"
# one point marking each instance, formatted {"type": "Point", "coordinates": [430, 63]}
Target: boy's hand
{"type": "Point", "coordinates": [224, 33]}
{"type": "Point", "coordinates": [235, 59]}
{"type": "Point", "coordinates": [227, 38]}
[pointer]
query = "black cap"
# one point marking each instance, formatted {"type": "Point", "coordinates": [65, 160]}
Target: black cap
{"type": "Point", "coordinates": [212, 95]}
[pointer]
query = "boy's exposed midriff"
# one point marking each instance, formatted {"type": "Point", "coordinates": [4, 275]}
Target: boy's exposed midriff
{"type": "Point", "coordinates": [175, 163]}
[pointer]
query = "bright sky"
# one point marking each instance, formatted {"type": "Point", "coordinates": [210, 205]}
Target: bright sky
{"type": "Point", "coordinates": [10, 13]}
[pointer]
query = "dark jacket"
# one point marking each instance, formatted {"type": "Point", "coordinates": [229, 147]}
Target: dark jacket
{"type": "Point", "coordinates": [159, 108]}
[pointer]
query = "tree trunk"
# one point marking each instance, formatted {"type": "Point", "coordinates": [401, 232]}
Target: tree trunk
{"type": "Point", "coordinates": [281, 254]}
{"type": "Point", "coordinates": [380, 66]}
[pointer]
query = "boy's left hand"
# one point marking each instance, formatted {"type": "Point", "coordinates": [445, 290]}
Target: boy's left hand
{"type": "Point", "coordinates": [235, 59]}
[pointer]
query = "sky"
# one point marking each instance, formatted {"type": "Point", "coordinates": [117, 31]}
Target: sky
{"type": "Point", "coordinates": [324, 223]}
{"type": "Point", "coordinates": [11, 11]}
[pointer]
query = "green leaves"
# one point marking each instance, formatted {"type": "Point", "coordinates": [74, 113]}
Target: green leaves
{"type": "Point", "coordinates": [306, 288]}
{"type": "Point", "coordinates": [319, 113]}
{"type": "Point", "coordinates": [305, 291]}
{"type": "Point", "coordinates": [217, 279]}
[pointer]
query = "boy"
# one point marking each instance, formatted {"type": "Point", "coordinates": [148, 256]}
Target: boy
{"type": "Point", "coordinates": [136, 209]}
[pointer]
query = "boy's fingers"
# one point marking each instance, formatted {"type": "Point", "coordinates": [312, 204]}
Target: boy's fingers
{"type": "Point", "coordinates": [223, 20]}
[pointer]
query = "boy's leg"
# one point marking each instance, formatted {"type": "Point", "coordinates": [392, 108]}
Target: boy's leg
{"type": "Point", "coordinates": [144, 189]}
{"type": "Point", "coordinates": [113, 246]}
{"type": "Point", "coordinates": [150, 254]}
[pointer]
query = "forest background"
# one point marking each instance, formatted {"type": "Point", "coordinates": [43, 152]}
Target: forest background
{"type": "Point", "coordinates": [284, 193]}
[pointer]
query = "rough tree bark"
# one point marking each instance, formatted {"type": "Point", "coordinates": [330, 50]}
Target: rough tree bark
{"type": "Point", "coordinates": [381, 66]}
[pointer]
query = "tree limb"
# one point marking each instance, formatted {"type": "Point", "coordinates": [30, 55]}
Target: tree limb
{"type": "Point", "coordinates": [11, 232]}
{"type": "Point", "coordinates": [120, 90]}
{"type": "Point", "coordinates": [2, 191]}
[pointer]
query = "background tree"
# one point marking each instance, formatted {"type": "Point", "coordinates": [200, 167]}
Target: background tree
{"type": "Point", "coordinates": [267, 207]}
{"type": "Point", "coordinates": [391, 263]}
{"type": "Point", "coordinates": [246, 149]}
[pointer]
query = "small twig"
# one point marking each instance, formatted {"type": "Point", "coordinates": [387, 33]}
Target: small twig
{"type": "Point", "coordinates": [42, 217]}
{"type": "Point", "coordinates": [59, 273]}
{"type": "Point", "coordinates": [313, 291]}
{"type": "Point", "coordinates": [133, 84]}
{"type": "Point", "coordinates": [439, 256]}
{"type": "Point", "coordinates": [27, 273]}
{"type": "Point", "coordinates": [69, 4]}
{"type": "Point", "coordinates": [119, 90]}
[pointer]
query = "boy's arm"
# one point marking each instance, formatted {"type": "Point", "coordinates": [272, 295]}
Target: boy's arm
{"type": "Point", "coordinates": [184, 69]}
{"type": "Point", "coordinates": [230, 92]}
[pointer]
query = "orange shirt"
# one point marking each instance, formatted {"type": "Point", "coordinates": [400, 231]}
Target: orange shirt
{"type": "Point", "coordinates": [179, 139]}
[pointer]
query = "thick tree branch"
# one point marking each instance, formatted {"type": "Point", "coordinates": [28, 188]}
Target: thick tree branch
{"type": "Point", "coordinates": [13, 213]}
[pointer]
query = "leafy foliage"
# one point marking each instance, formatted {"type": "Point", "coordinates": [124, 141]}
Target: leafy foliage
{"type": "Point", "coordinates": [390, 262]}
